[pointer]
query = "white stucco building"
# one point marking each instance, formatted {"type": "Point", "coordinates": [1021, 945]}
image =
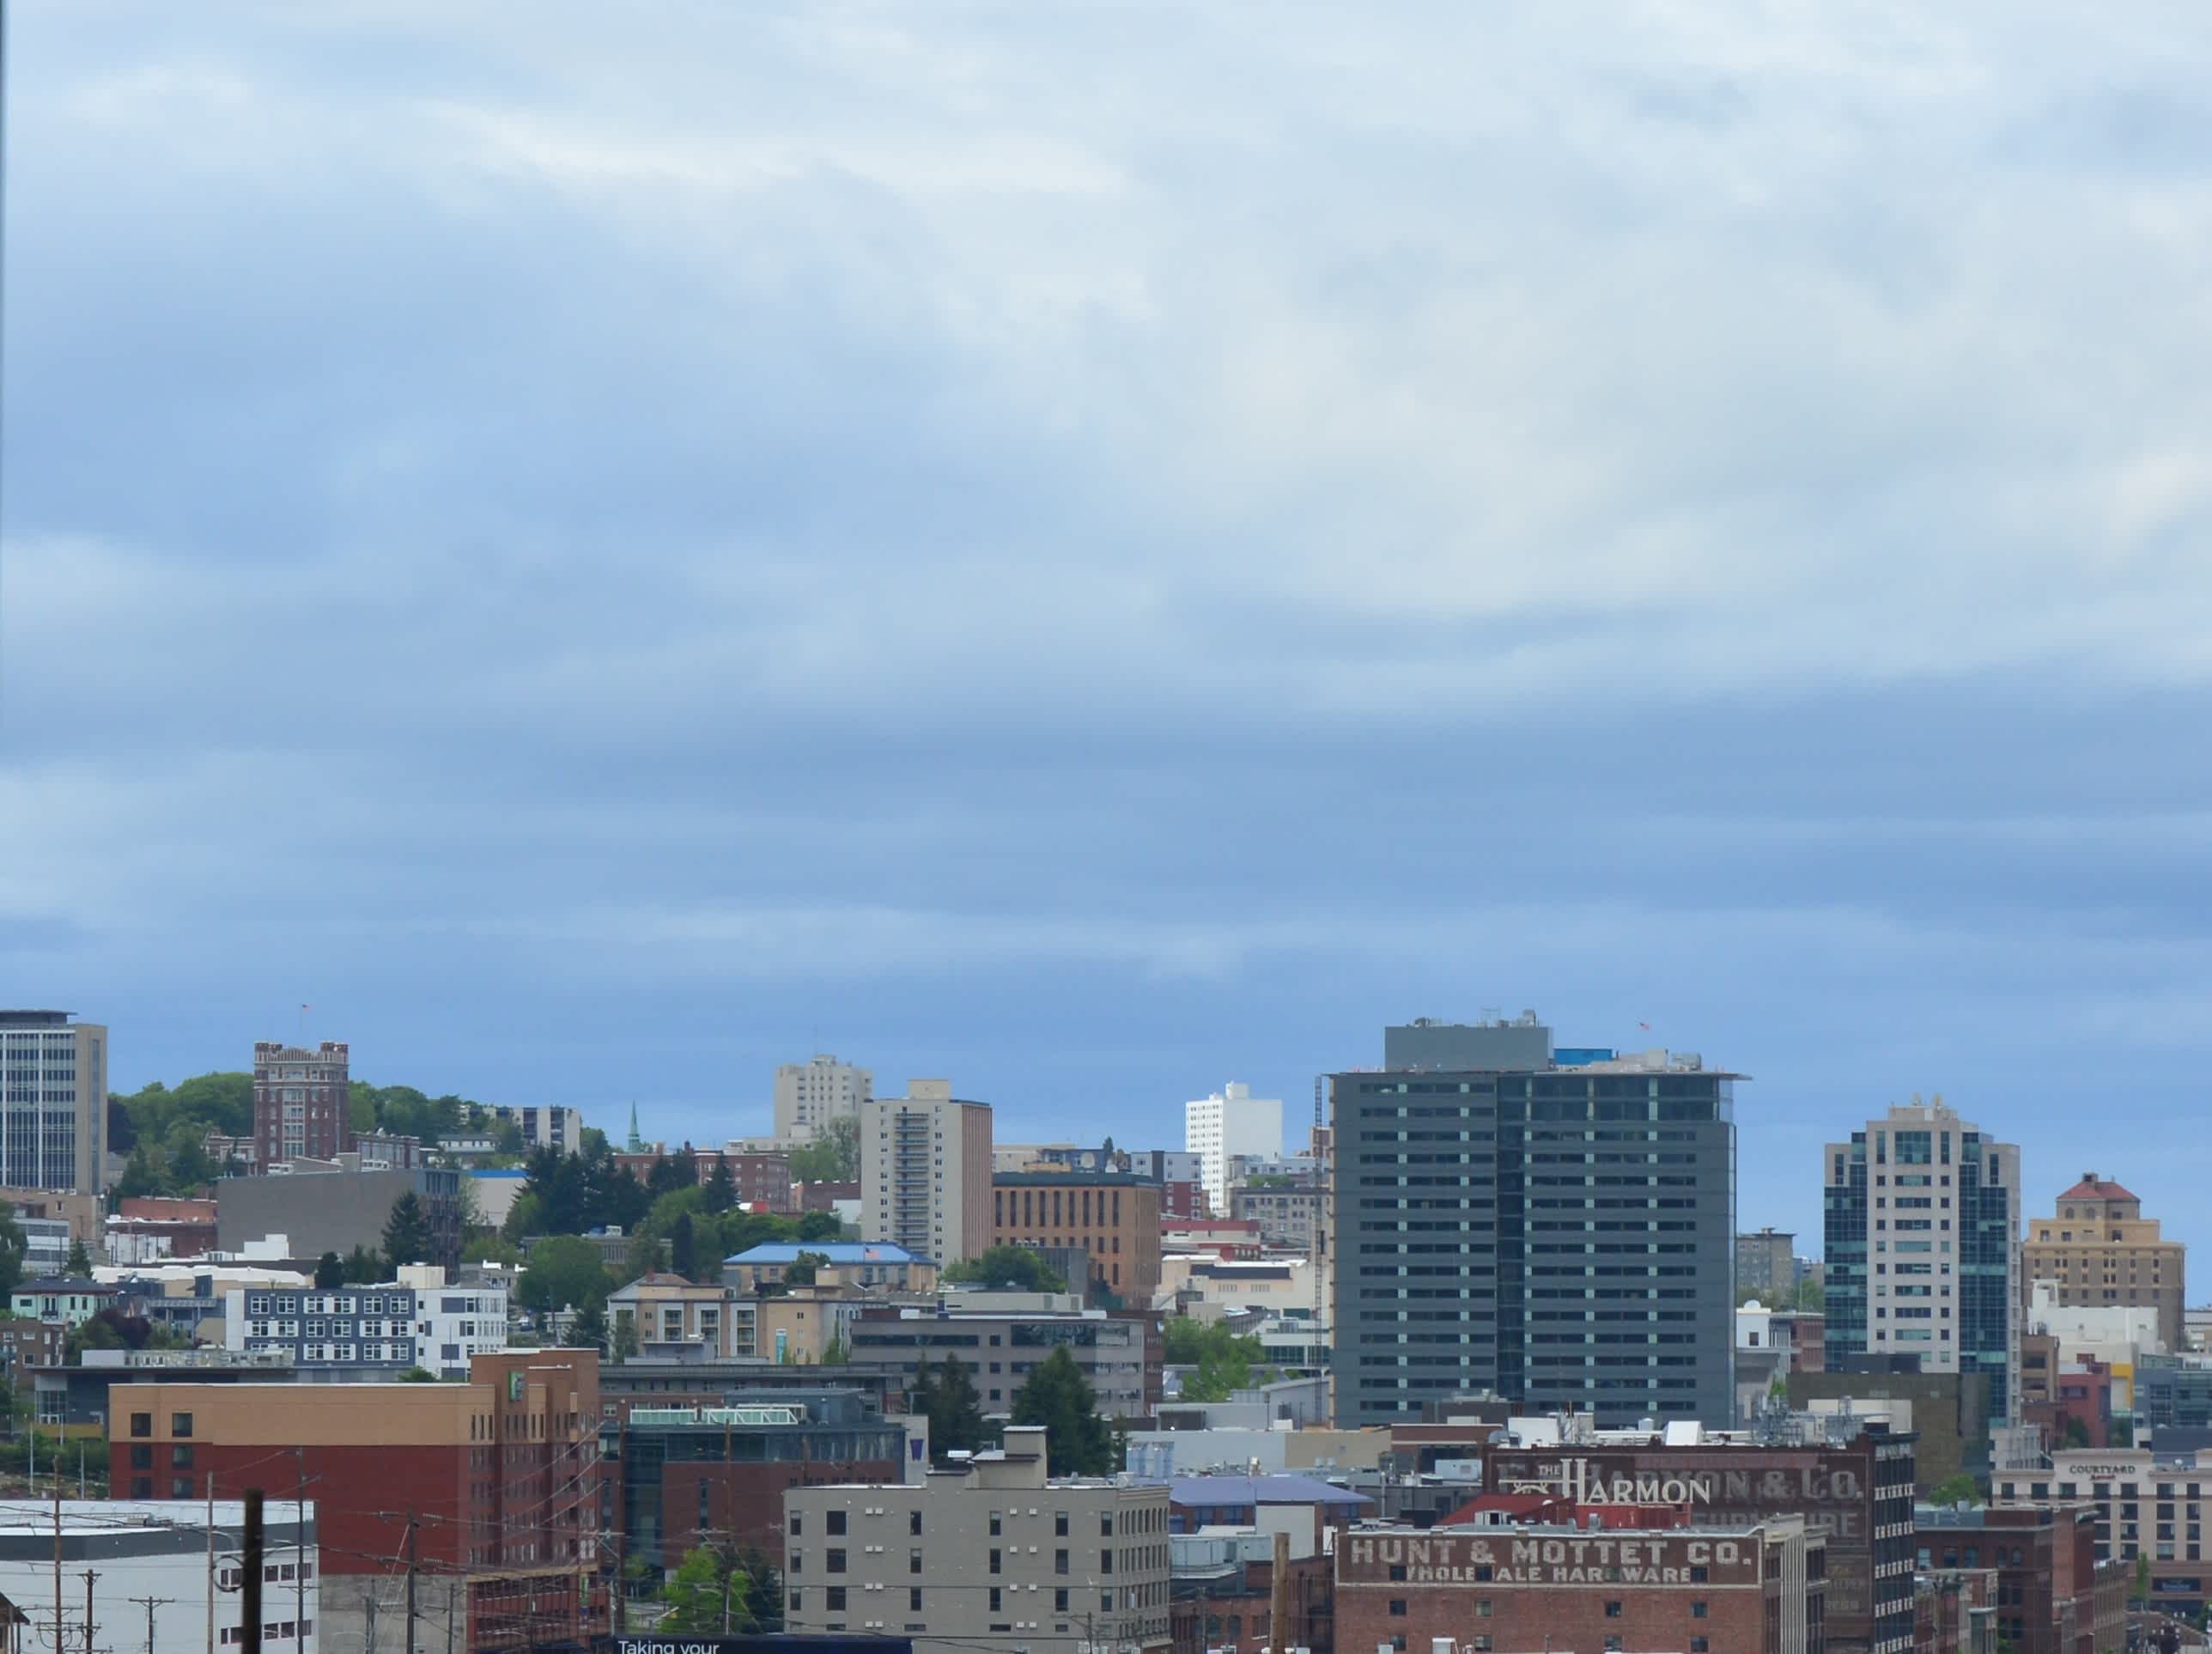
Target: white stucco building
{"type": "Point", "coordinates": [1230, 1123]}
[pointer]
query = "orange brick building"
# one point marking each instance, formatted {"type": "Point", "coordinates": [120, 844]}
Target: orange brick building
{"type": "Point", "coordinates": [1112, 1215]}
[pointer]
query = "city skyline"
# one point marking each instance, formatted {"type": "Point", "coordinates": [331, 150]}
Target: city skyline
{"type": "Point", "coordinates": [1100, 560]}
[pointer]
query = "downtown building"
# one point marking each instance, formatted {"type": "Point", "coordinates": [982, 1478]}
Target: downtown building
{"type": "Point", "coordinates": [926, 1172]}
{"type": "Point", "coordinates": [1920, 1219]}
{"type": "Point", "coordinates": [1555, 1226]}
{"type": "Point", "coordinates": [53, 1079]}
{"type": "Point", "coordinates": [302, 1101]}
{"type": "Point", "coordinates": [2099, 1252]}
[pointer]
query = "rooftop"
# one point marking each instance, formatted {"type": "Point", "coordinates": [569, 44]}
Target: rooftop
{"type": "Point", "coordinates": [1259, 1490]}
{"type": "Point", "coordinates": [2093, 1188]}
{"type": "Point", "coordinates": [835, 1252]}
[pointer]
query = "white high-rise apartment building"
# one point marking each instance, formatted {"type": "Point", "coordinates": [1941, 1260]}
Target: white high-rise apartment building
{"type": "Point", "coordinates": [1230, 1123]}
{"type": "Point", "coordinates": [926, 1172]}
{"type": "Point", "coordinates": [1922, 1213]}
{"type": "Point", "coordinates": [809, 1095]}
{"type": "Point", "coordinates": [54, 1080]}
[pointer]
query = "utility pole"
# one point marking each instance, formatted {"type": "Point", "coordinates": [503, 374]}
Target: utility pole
{"type": "Point", "coordinates": [210, 1585]}
{"type": "Point", "coordinates": [299, 1550]}
{"type": "Point", "coordinates": [250, 1550]}
{"type": "Point", "coordinates": [59, 1628]}
{"type": "Point", "coordinates": [89, 1576]}
{"type": "Point", "coordinates": [408, 1647]}
{"type": "Point", "coordinates": [150, 1604]}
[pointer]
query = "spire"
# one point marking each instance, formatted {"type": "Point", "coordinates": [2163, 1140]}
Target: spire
{"type": "Point", "coordinates": [635, 1145]}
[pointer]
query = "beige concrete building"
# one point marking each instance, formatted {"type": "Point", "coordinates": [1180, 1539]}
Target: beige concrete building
{"type": "Point", "coordinates": [995, 1554]}
{"type": "Point", "coordinates": [809, 1095]}
{"type": "Point", "coordinates": [54, 1131]}
{"type": "Point", "coordinates": [2100, 1252]}
{"type": "Point", "coordinates": [926, 1172]}
{"type": "Point", "coordinates": [666, 1309]}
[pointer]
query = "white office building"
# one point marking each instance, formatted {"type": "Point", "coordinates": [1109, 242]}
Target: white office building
{"type": "Point", "coordinates": [545, 1125]}
{"type": "Point", "coordinates": [143, 1551]}
{"type": "Point", "coordinates": [418, 1321]}
{"type": "Point", "coordinates": [809, 1095]}
{"type": "Point", "coordinates": [1231, 1122]}
{"type": "Point", "coordinates": [55, 1074]}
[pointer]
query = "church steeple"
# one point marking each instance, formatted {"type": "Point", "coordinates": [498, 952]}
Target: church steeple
{"type": "Point", "coordinates": [636, 1145]}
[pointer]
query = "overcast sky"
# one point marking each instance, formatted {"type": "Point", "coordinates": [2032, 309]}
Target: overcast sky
{"type": "Point", "coordinates": [1095, 550]}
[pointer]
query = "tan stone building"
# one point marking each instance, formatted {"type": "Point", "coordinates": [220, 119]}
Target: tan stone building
{"type": "Point", "coordinates": [926, 1172]}
{"type": "Point", "coordinates": [1112, 1215]}
{"type": "Point", "coordinates": [2101, 1251]}
{"type": "Point", "coordinates": [994, 1554]}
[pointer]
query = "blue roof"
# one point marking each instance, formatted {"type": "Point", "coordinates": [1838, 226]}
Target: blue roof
{"type": "Point", "coordinates": [499, 1172]}
{"type": "Point", "coordinates": [834, 1251]}
{"type": "Point", "coordinates": [1259, 1490]}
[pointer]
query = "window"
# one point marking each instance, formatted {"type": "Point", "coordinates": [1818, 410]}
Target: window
{"type": "Point", "coordinates": [1106, 1602]}
{"type": "Point", "coordinates": [1697, 1610]}
{"type": "Point", "coordinates": [1699, 1573]}
{"type": "Point", "coordinates": [1613, 1610]}
{"type": "Point", "coordinates": [180, 1424]}
{"type": "Point", "coordinates": [141, 1458]}
{"type": "Point", "coordinates": [1105, 1561]}
{"type": "Point", "coordinates": [1699, 1646]}
{"type": "Point", "coordinates": [914, 1599]}
{"type": "Point", "coordinates": [1397, 1607]}
{"type": "Point", "coordinates": [1105, 1525]}
{"type": "Point", "coordinates": [994, 1560]}
{"type": "Point", "coordinates": [835, 1561]}
{"type": "Point", "coordinates": [180, 1457]}
{"type": "Point", "coordinates": [1059, 1523]}
{"type": "Point", "coordinates": [913, 1521]}
{"type": "Point", "coordinates": [995, 1524]}
{"type": "Point", "coordinates": [142, 1424]}
{"type": "Point", "coordinates": [1060, 1599]}
{"type": "Point", "coordinates": [994, 1599]}
{"type": "Point", "coordinates": [798, 1524]}
{"type": "Point", "coordinates": [834, 1599]}
{"type": "Point", "coordinates": [913, 1561]}
{"type": "Point", "coordinates": [833, 1523]}
{"type": "Point", "coordinates": [1059, 1560]}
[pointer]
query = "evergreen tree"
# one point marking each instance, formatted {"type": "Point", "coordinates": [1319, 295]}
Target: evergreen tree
{"type": "Point", "coordinates": [1056, 1394]}
{"type": "Point", "coordinates": [12, 1247]}
{"type": "Point", "coordinates": [79, 1267]}
{"type": "Point", "coordinates": [363, 1268]}
{"type": "Point", "coordinates": [588, 1330]}
{"type": "Point", "coordinates": [956, 1417]}
{"type": "Point", "coordinates": [624, 1344]}
{"type": "Point", "coordinates": [329, 1272]}
{"type": "Point", "coordinates": [721, 1187]}
{"type": "Point", "coordinates": [684, 1247]}
{"type": "Point", "coordinates": [407, 1232]}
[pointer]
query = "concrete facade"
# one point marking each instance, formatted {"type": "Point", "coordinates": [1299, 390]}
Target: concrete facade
{"type": "Point", "coordinates": [978, 1556]}
{"type": "Point", "coordinates": [1230, 1123]}
{"type": "Point", "coordinates": [809, 1095]}
{"type": "Point", "coordinates": [2098, 1251]}
{"type": "Point", "coordinates": [926, 1172]}
{"type": "Point", "coordinates": [417, 1320]}
{"type": "Point", "coordinates": [1120, 1354]}
{"type": "Point", "coordinates": [323, 1212]}
{"type": "Point", "coordinates": [53, 1080]}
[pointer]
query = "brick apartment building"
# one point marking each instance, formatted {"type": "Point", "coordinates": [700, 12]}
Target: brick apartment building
{"type": "Point", "coordinates": [1113, 1216]}
{"type": "Point", "coordinates": [2053, 1595]}
{"type": "Point", "coordinates": [2101, 1251]}
{"type": "Point", "coordinates": [492, 1483]}
{"type": "Point", "coordinates": [302, 1101]}
{"type": "Point", "coordinates": [1857, 1496]}
{"type": "Point", "coordinates": [1723, 1588]}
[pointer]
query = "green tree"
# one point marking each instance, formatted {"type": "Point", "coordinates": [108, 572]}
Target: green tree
{"type": "Point", "coordinates": [1056, 1394]}
{"type": "Point", "coordinates": [79, 1267]}
{"type": "Point", "coordinates": [720, 1188]}
{"type": "Point", "coordinates": [588, 1331]}
{"type": "Point", "coordinates": [684, 1247]}
{"type": "Point", "coordinates": [624, 1344]}
{"type": "Point", "coordinates": [1220, 1362]}
{"type": "Point", "coordinates": [834, 1157]}
{"type": "Point", "coordinates": [948, 1398]}
{"type": "Point", "coordinates": [817, 1227]}
{"type": "Point", "coordinates": [1811, 1296]}
{"type": "Point", "coordinates": [418, 1376]}
{"type": "Point", "coordinates": [564, 1272]}
{"type": "Point", "coordinates": [836, 1352]}
{"type": "Point", "coordinates": [364, 1268]}
{"type": "Point", "coordinates": [12, 1247]}
{"type": "Point", "coordinates": [694, 1594]}
{"type": "Point", "coordinates": [2143, 1576]}
{"type": "Point", "coordinates": [1961, 1489]}
{"type": "Point", "coordinates": [407, 1232]}
{"type": "Point", "coordinates": [329, 1272]}
{"type": "Point", "coordinates": [1022, 1268]}
{"type": "Point", "coordinates": [491, 1248]}
{"type": "Point", "coordinates": [799, 1272]}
